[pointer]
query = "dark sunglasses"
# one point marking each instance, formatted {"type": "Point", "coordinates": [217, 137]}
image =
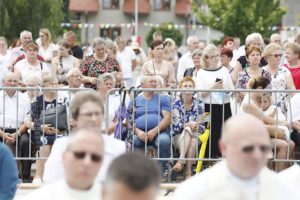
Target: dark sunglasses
{"type": "Point", "coordinates": [79, 155]}
{"type": "Point", "coordinates": [262, 148]}
{"type": "Point", "coordinates": [277, 55]}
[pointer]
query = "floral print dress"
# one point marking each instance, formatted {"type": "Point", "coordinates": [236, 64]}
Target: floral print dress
{"type": "Point", "coordinates": [93, 68]}
{"type": "Point", "coordinates": [181, 116]}
{"type": "Point", "coordinates": [278, 82]}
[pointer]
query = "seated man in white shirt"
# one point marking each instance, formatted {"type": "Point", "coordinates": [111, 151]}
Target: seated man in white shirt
{"type": "Point", "coordinates": [86, 110]}
{"type": "Point", "coordinates": [131, 176]}
{"type": "Point", "coordinates": [82, 160]}
{"type": "Point", "coordinates": [245, 145]}
{"type": "Point", "coordinates": [14, 106]}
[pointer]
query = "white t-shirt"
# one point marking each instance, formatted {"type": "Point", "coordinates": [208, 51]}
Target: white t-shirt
{"type": "Point", "coordinates": [185, 62]}
{"type": "Point", "coordinates": [125, 59]}
{"type": "Point", "coordinates": [48, 54]}
{"type": "Point", "coordinates": [5, 60]}
{"type": "Point", "coordinates": [13, 109]}
{"type": "Point", "coordinates": [54, 170]}
{"type": "Point", "coordinates": [61, 190]}
{"type": "Point", "coordinates": [206, 78]}
{"type": "Point", "coordinates": [26, 70]}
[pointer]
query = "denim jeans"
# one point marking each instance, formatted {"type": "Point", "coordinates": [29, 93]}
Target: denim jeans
{"type": "Point", "coordinates": [162, 140]}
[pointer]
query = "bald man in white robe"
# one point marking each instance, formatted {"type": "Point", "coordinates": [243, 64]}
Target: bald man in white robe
{"type": "Point", "coordinates": [245, 145]}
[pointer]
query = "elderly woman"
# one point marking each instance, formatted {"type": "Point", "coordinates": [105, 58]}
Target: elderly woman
{"type": "Point", "coordinates": [5, 58]}
{"type": "Point", "coordinates": [105, 83]}
{"type": "Point", "coordinates": [48, 133]}
{"type": "Point", "coordinates": [186, 111]}
{"type": "Point", "coordinates": [192, 72]}
{"type": "Point", "coordinates": [63, 62]}
{"type": "Point", "coordinates": [292, 55]}
{"type": "Point", "coordinates": [74, 79]}
{"type": "Point", "coordinates": [254, 39]}
{"type": "Point", "coordinates": [31, 64]}
{"type": "Point", "coordinates": [46, 48]}
{"type": "Point", "coordinates": [253, 54]}
{"type": "Point", "coordinates": [158, 66]}
{"type": "Point", "coordinates": [141, 58]}
{"type": "Point", "coordinates": [251, 104]}
{"type": "Point", "coordinates": [152, 118]}
{"type": "Point", "coordinates": [281, 76]}
{"type": "Point", "coordinates": [98, 63]}
{"type": "Point", "coordinates": [210, 76]}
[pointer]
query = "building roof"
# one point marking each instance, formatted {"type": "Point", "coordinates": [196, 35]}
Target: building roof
{"type": "Point", "coordinates": [183, 7]}
{"type": "Point", "coordinates": [90, 6]}
{"type": "Point", "coordinates": [143, 6]}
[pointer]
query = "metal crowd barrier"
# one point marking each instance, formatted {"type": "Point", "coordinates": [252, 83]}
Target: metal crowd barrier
{"type": "Point", "coordinates": [63, 96]}
{"type": "Point", "coordinates": [131, 94]}
{"type": "Point", "coordinates": [174, 93]}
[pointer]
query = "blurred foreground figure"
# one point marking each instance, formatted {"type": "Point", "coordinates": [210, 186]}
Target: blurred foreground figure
{"type": "Point", "coordinates": [131, 176]}
{"type": "Point", "coordinates": [243, 172]}
{"type": "Point", "coordinates": [8, 173]}
{"type": "Point", "coordinates": [81, 160]}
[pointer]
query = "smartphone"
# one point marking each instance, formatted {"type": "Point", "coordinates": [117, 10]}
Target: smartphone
{"type": "Point", "coordinates": [218, 79]}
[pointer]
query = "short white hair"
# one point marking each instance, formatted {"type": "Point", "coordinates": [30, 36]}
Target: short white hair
{"type": "Point", "coordinates": [254, 36]}
{"type": "Point", "coordinates": [25, 32]}
{"type": "Point", "coordinates": [191, 38]}
{"type": "Point", "coordinates": [145, 78]}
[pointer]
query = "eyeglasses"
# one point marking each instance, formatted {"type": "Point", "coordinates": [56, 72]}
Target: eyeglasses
{"type": "Point", "coordinates": [80, 155]}
{"type": "Point", "coordinates": [76, 76]}
{"type": "Point", "coordinates": [214, 56]}
{"type": "Point", "coordinates": [263, 148]}
{"type": "Point", "coordinates": [91, 114]}
{"type": "Point", "coordinates": [277, 55]}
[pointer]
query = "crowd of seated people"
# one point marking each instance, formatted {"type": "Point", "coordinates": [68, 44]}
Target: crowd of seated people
{"type": "Point", "coordinates": [163, 120]}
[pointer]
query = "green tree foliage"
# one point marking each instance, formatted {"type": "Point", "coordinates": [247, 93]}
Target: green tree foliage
{"type": "Point", "coordinates": [240, 17]}
{"type": "Point", "coordinates": [18, 15]}
{"type": "Point", "coordinates": [168, 31]}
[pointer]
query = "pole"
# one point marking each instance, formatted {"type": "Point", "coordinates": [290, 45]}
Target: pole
{"type": "Point", "coordinates": [136, 17]}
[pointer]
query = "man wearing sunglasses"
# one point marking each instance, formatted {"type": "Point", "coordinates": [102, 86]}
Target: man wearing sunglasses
{"type": "Point", "coordinates": [245, 146]}
{"type": "Point", "coordinates": [81, 160]}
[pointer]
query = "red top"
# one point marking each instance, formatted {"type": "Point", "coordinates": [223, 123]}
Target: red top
{"type": "Point", "coordinates": [295, 74]}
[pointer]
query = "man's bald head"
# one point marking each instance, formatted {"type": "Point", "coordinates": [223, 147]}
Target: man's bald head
{"type": "Point", "coordinates": [241, 125]}
{"type": "Point", "coordinates": [275, 38]}
{"type": "Point", "coordinates": [83, 158]}
{"type": "Point", "coordinates": [245, 144]}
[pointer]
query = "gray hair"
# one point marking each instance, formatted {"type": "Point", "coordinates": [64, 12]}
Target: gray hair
{"type": "Point", "coordinates": [270, 48]}
{"type": "Point", "coordinates": [253, 37]}
{"type": "Point", "coordinates": [102, 78]}
{"type": "Point", "coordinates": [33, 80]}
{"type": "Point", "coordinates": [25, 32]}
{"type": "Point", "coordinates": [191, 38]}
{"type": "Point", "coordinates": [208, 50]}
{"type": "Point", "coordinates": [197, 52]}
{"type": "Point", "coordinates": [71, 72]}
{"type": "Point", "coordinates": [97, 41]}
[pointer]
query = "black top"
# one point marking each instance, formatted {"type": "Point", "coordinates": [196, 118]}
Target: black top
{"type": "Point", "coordinates": [77, 52]}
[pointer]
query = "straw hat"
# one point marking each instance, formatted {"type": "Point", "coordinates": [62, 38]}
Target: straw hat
{"type": "Point", "coordinates": [170, 43]}
{"type": "Point", "coordinates": [135, 45]}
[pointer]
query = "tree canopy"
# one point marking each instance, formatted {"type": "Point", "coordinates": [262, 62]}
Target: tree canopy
{"type": "Point", "coordinates": [18, 15]}
{"type": "Point", "coordinates": [239, 17]}
{"type": "Point", "coordinates": [168, 31]}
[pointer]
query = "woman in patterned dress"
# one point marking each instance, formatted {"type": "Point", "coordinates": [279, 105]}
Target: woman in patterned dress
{"type": "Point", "coordinates": [98, 63]}
{"type": "Point", "coordinates": [281, 76]}
{"type": "Point", "coordinates": [186, 111]}
{"type": "Point", "coordinates": [253, 70]}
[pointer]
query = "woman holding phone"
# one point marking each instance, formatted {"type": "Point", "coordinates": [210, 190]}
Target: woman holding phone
{"type": "Point", "coordinates": [211, 76]}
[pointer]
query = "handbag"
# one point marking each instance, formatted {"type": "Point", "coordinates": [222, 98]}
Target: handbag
{"type": "Point", "coordinates": [57, 117]}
